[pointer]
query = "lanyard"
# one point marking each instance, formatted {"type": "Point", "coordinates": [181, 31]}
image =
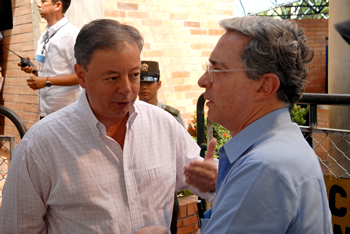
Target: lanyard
{"type": "Point", "coordinates": [47, 38]}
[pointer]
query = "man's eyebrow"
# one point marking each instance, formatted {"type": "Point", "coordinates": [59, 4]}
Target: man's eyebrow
{"type": "Point", "coordinates": [110, 72]}
{"type": "Point", "coordinates": [117, 72]}
{"type": "Point", "coordinates": [217, 62]}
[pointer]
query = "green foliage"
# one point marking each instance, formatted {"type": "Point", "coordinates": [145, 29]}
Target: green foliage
{"type": "Point", "coordinates": [298, 113]}
{"type": "Point", "coordinates": [185, 192]}
{"type": "Point", "coordinates": [222, 135]}
{"type": "Point", "coordinates": [311, 9]}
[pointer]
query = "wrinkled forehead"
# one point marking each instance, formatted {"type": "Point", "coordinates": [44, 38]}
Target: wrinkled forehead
{"type": "Point", "coordinates": [229, 48]}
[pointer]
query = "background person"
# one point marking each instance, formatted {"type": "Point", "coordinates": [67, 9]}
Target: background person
{"type": "Point", "coordinates": [106, 163]}
{"type": "Point", "coordinates": [150, 84]}
{"type": "Point", "coordinates": [269, 179]}
{"type": "Point", "coordinates": [56, 80]}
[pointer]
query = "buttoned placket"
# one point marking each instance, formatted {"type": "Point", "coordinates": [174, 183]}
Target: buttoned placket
{"type": "Point", "coordinates": [130, 182]}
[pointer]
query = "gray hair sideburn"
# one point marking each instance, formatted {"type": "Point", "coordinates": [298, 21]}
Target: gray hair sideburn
{"type": "Point", "coordinates": [276, 46]}
{"type": "Point", "coordinates": [104, 34]}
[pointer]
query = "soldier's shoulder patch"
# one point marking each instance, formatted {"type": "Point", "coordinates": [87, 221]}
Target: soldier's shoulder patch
{"type": "Point", "coordinates": [172, 110]}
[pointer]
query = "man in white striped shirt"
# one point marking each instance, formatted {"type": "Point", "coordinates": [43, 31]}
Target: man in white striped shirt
{"type": "Point", "coordinates": [103, 164]}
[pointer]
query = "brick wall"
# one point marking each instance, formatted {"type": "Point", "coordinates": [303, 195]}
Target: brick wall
{"type": "Point", "coordinates": [15, 93]}
{"type": "Point", "coordinates": [179, 34]}
{"type": "Point", "coordinates": [187, 222]}
{"type": "Point", "coordinates": [316, 31]}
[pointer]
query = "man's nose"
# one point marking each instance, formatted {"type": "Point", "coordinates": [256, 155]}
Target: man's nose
{"type": "Point", "coordinates": [204, 80]}
{"type": "Point", "coordinates": [124, 86]}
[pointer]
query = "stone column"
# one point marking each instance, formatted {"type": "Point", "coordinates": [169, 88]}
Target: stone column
{"type": "Point", "coordinates": [339, 80]}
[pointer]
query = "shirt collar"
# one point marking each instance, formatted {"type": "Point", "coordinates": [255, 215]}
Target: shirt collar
{"type": "Point", "coordinates": [91, 119]}
{"type": "Point", "coordinates": [54, 28]}
{"type": "Point", "coordinates": [241, 142]}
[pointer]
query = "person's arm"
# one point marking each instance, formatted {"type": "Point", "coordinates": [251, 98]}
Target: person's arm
{"type": "Point", "coordinates": [23, 209]}
{"type": "Point", "coordinates": [39, 82]}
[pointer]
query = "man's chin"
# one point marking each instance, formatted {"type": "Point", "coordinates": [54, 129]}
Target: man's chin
{"type": "Point", "coordinates": [211, 116]}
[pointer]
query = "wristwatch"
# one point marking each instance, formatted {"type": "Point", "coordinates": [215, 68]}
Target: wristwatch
{"type": "Point", "coordinates": [48, 83]}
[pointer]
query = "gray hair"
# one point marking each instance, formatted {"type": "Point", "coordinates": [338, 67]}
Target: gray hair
{"type": "Point", "coordinates": [104, 34]}
{"type": "Point", "coordinates": [276, 46]}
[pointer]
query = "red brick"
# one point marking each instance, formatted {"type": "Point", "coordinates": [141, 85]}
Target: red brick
{"type": "Point", "coordinates": [25, 28]}
{"type": "Point", "coordinates": [127, 6]}
{"type": "Point", "coordinates": [192, 24]}
{"type": "Point", "coordinates": [205, 53]}
{"type": "Point", "coordinates": [183, 88]}
{"type": "Point", "coordinates": [185, 230]}
{"type": "Point", "coordinates": [191, 209]}
{"type": "Point", "coordinates": [199, 32]}
{"type": "Point", "coordinates": [216, 32]}
{"type": "Point", "coordinates": [190, 220]}
{"type": "Point", "coordinates": [114, 13]}
{"type": "Point", "coordinates": [179, 223]}
{"type": "Point", "coordinates": [137, 14]}
{"type": "Point", "coordinates": [24, 10]}
{"type": "Point", "coordinates": [18, 20]}
{"type": "Point", "coordinates": [183, 209]}
{"type": "Point", "coordinates": [153, 23]}
{"type": "Point", "coordinates": [199, 46]}
{"type": "Point", "coordinates": [176, 16]}
{"type": "Point", "coordinates": [180, 74]}
{"type": "Point", "coordinates": [153, 53]}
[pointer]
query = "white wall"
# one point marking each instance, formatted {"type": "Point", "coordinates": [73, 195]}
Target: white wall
{"type": "Point", "coordinates": [81, 12]}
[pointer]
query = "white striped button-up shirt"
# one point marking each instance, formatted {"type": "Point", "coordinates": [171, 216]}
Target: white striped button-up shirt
{"type": "Point", "coordinates": [68, 176]}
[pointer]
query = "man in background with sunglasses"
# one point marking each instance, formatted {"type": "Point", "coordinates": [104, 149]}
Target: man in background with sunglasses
{"type": "Point", "coordinates": [56, 80]}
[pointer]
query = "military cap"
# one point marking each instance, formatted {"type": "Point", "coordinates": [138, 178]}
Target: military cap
{"type": "Point", "coordinates": [149, 71]}
{"type": "Point", "coordinates": [344, 29]}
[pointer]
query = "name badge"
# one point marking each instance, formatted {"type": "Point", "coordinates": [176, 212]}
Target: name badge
{"type": "Point", "coordinates": [40, 58]}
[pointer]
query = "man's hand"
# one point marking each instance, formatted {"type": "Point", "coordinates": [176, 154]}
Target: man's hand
{"type": "Point", "coordinates": [202, 175]}
{"type": "Point", "coordinates": [26, 69]}
{"type": "Point", "coordinates": [36, 82]}
{"type": "Point", "coordinates": [153, 230]}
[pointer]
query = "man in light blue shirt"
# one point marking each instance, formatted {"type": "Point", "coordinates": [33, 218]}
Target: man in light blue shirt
{"type": "Point", "coordinates": [269, 179]}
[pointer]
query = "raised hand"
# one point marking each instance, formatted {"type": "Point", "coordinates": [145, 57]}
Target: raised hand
{"type": "Point", "coordinates": [202, 174]}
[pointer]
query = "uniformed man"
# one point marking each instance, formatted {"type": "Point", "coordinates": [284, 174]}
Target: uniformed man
{"type": "Point", "coordinates": [150, 83]}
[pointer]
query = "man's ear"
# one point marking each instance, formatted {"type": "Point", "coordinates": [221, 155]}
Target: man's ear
{"type": "Point", "coordinates": [269, 84]}
{"type": "Point", "coordinates": [80, 71]}
{"type": "Point", "coordinates": [58, 6]}
{"type": "Point", "coordinates": [159, 85]}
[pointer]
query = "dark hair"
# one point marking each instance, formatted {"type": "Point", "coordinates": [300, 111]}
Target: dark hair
{"type": "Point", "coordinates": [276, 46]}
{"type": "Point", "coordinates": [104, 34]}
{"type": "Point", "coordinates": [65, 4]}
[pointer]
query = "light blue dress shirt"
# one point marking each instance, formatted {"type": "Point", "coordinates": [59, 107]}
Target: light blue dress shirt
{"type": "Point", "coordinates": [269, 181]}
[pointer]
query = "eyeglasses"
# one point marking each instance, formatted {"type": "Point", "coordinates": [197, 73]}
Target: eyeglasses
{"type": "Point", "coordinates": [210, 70]}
